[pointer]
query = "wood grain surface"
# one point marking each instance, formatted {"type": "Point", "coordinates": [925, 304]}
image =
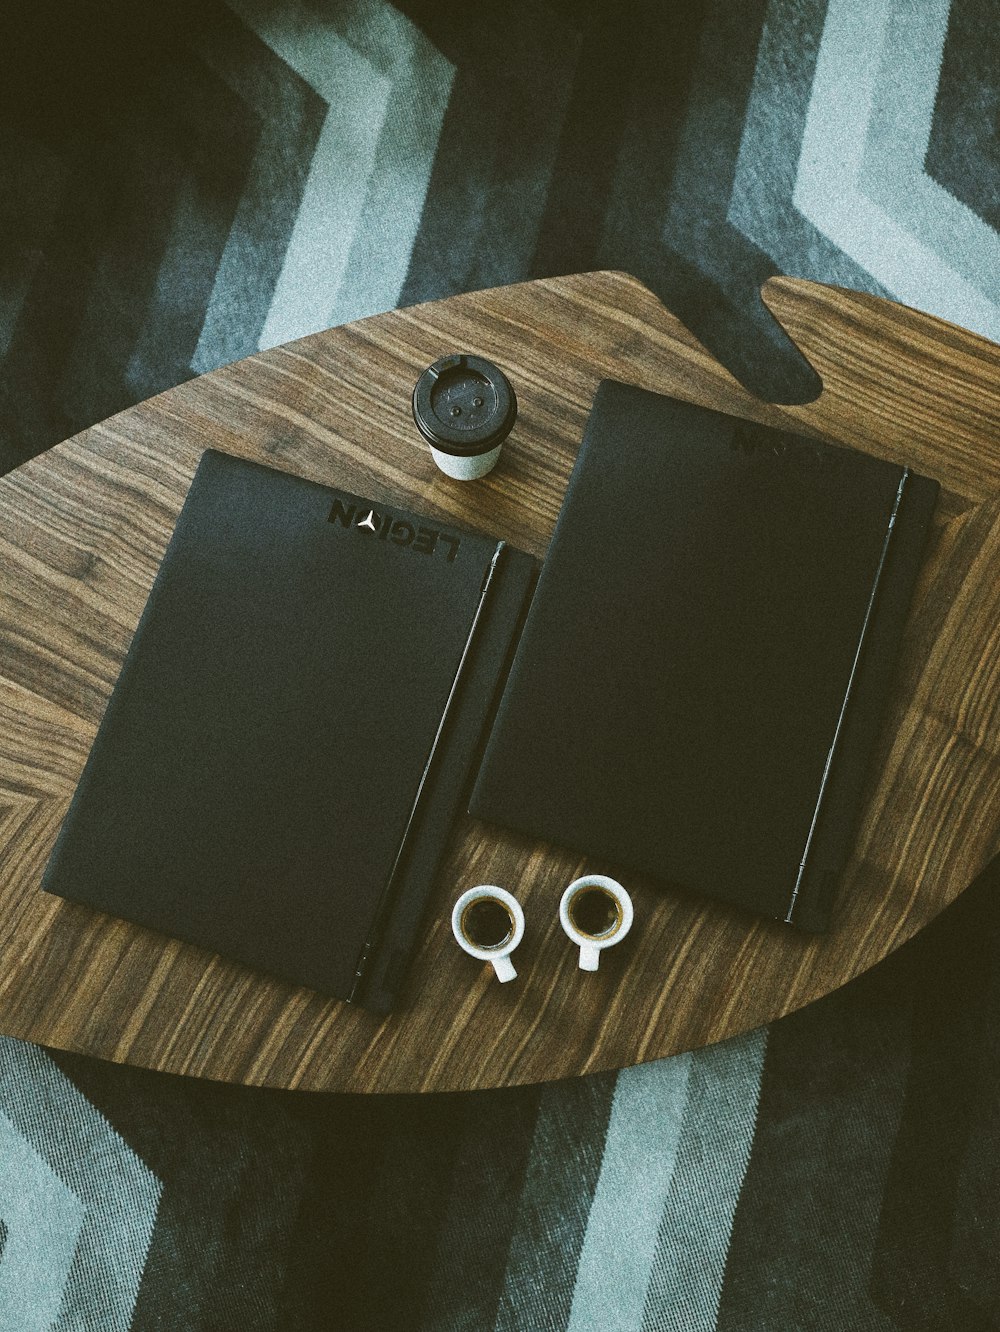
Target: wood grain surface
{"type": "Point", "coordinates": [82, 530]}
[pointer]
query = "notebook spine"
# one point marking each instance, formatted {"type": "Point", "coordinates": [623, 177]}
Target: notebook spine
{"type": "Point", "coordinates": [807, 860]}
{"type": "Point", "coordinates": [386, 898]}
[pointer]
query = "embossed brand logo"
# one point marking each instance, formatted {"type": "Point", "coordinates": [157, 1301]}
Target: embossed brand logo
{"type": "Point", "coordinates": [384, 527]}
{"type": "Point", "coordinates": [762, 444]}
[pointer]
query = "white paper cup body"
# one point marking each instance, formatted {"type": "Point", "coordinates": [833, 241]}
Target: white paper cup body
{"type": "Point", "coordinates": [468, 467]}
{"type": "Point", "coordinates": [591, 946]}
{"type": "Point", "coordinates": [499, 958]}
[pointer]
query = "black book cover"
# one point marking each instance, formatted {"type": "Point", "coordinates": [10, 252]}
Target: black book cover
{"type": "Point", "coordinates": [280, 762]}
{"type": "Point", "coordinates": [700, 678]}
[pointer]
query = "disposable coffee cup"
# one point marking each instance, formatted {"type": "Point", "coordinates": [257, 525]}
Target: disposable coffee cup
{"type": "Point", "coordinates": [596, 913]}
{"type": "Point", "coordinates": [464, 407]}
{"type": "Point", "coordinates": [489, 924]}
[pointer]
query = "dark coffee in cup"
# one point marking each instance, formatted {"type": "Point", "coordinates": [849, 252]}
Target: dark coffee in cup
{"type": "Point", "coordinates": [595, 912]}
{"type": "Point", "coordinates": [487, 923]}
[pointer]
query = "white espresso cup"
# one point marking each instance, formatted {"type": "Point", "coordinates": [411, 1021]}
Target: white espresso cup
{"type": "Point", "coordinates": [489, 924]}
{"type": "Point", "coordinates": [596, 913]}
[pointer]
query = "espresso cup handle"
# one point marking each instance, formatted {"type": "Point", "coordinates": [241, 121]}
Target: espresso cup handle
{"type": "Point", "coordinates": [504, 968]}
{"type": "Point", "coordinates": [590, 956]}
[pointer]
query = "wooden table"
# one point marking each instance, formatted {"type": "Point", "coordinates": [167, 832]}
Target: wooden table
{"type": "Point", "coordinates": [82, 530]}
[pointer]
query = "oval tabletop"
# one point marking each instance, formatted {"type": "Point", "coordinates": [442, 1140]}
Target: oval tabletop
{"type": "Point", "coordinates": [83, 528]}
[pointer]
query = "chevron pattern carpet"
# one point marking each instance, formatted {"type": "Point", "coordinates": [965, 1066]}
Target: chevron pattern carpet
{"type": "Point", "coordinates": [184, 183]}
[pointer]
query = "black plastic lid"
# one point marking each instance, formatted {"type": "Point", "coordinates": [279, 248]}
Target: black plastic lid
{"type": "Point", "coordinates": [464, 405]}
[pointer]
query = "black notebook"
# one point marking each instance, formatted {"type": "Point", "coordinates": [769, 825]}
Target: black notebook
{"type": "Point", "coordinates": [293, 729]}
{"type": "Point", "coordinates": [701, 674]}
